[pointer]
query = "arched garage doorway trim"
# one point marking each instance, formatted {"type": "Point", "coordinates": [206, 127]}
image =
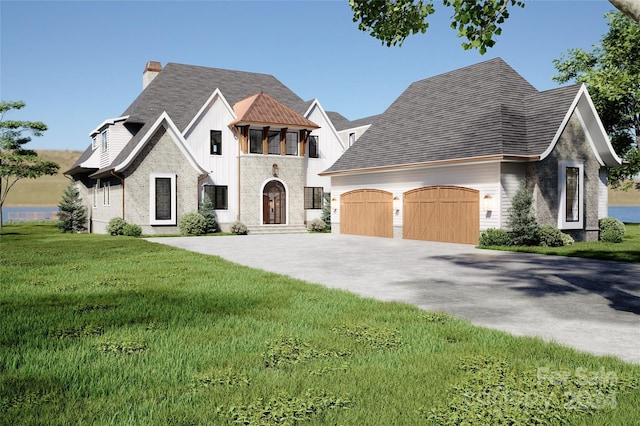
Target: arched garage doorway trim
{"type": "Point", "coordinates": [367, 212]}
{"type": "Point", "coordinates": [442, 213]}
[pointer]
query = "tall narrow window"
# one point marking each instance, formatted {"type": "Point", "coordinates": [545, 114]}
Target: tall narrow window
{"type": "Point", "coordinates": [571, 195]}
{"type": "Point", "coordinates": [105, 141]}
{"type": "Point", "coordinates": [255, 141]}
{"type": "Point", "coordinates": [313, 146]}
{"type": "Point", "coordinates": [95, 193]}
{"type": "Point", "coordinates": [106, 193]}
{"type": "Point", "coordinates": [218, 194]}
{"type": "Point", "coordinates": [274, 142]}
{"type": "Point", "coordinates": [162, 199]}
{"type": "Point", "coordinates": [94, 142]}
{"type": "Point", "coordinates": [292, 143]}
{"type": "Point", "coordinates": [216, 142]}
{"type": "Point", "coordinates": [352, 138]}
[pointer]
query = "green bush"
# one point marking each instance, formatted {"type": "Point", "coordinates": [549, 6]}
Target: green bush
{"type": "Point", "coordinates": [611, 230]}
{"type": "Point", "coordinates": [132, 230]}
{"type": "Point", "coordinates": [239, 228]}
{"type": "Point", "coordinates": [550, 236]}
{"type": "Point", "coordinates": [192, 223]}
{"type": "Point", "coordinates": [116, 226]}
{"type": "Point", "coordinates": [209, 214]}
{"type": "Point", "coordinates": [495, 237]}
{"type": "Point", "coordinates": [317, 225]}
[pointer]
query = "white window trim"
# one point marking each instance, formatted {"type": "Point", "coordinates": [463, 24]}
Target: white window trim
{"type": "Point", "coordinates": [94, 142]}
{"type": "Point", "coordinates": [95, 193]}
{"type": "Point", "coordinates": [562, 194]}
{"type": "Point", "coordinates": [105, 140]}
{"type": "Point", "coordinates": [106, 193]}
{"type": "Point", "coordinates": [152, 199]}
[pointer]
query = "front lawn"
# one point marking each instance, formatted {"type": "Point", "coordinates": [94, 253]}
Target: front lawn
{"type": "Point", "coordinates": [626, 251]}
{"type": "Point", "coordinates": [117, 330]}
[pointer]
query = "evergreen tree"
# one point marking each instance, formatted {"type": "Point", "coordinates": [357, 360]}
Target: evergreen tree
{"type": "Point", "coordinates": [326, 210]}
{"type": "Point", "coordinates": [206, 210]}
{"type": "Point", "coordinates": [522, 222]}
{"type": "Point", "coordinates": [72, 214]}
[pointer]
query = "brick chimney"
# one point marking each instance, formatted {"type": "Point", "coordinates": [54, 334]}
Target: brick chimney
{"type": "Point", "coordinates": [151, 70]}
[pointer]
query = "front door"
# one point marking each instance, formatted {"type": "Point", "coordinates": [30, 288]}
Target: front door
{"type": "Point", "coordinates": [274, 203]}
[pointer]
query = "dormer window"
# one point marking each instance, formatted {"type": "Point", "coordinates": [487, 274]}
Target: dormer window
{"type": "Point", "coordinates": [94, 142]}
{"type": "Point", "coordinates": [105, 140]}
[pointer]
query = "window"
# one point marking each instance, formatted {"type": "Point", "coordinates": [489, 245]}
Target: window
{"type": "Point", "coordinates": [94, 142]}
{"type": "Point", "coordinates": [105, 140]}
{"type": "Point", "coordinates": [571, 195]}
{"type": "Point", "coordinates": [292, 143]}
{"type": "Point", "coordinates": [162, 199]}
{"type": "Point", "coordinates": [255, 141]}
{"type": "Point", "coordinates": [352, 138]}
{"type": "Point", "coordinates": [216, 142]}
{"type": "Point", "coordinates": [106, 193]}
{"type": "Point", "coordinates": [95, 193]}
{"type": "Point", "coordinates": [313, 147]}
{"type": "Point", "coordinates": [313, 197]}
{"type": "Point", "coordinates": [274, 142]}
{"type": "Point", "coordinates": [218, 195]}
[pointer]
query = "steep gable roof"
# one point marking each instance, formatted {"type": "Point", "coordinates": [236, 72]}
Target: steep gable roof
{"type": "Point", "coordinates": [265, 110]}
{"type": "Point", "coordinates": [480, 111]}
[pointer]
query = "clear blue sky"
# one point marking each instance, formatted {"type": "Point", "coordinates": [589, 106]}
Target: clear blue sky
{"type": "Point", "coordinates": [77, 63]}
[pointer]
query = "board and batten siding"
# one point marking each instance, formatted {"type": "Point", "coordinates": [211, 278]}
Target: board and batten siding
{"type": "Point", "coordinates": [223, 169]}
{"type": "Point", "coordinates": [484, 177]}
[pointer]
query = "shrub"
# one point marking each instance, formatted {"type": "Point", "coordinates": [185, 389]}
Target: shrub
{"type": "Point", "coordinates": [611, 230]}
{"type": "Point", "coordinates": [207, 211]}
{"type": "Point", "coordinates": [317, 225]}
{"type": "Point", "coordinates": [132, 230]}
{"type": "Point", "coordinates": [522, 219]}
{"type": "Point", "coordinates": [239, 228]}
{"type": "Point", "coordinates": [192, 223]}
{"type": "Point", "coordinates": [495, 237]}
{"type": "Point", "coordinates": [116, 226]}
{"type": "Point", "coordinates": [550, 236]}
{"type": "Point", "coordinates": [71, 212]}
{"type": "Point", "coordinates": [326, 210]}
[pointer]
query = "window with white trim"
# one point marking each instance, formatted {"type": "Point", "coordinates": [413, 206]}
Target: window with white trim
{"type": "Point", "coordinates": [162, 199]}
{"type": "Point", "coordinates": [105, 140]}
{"type": "Point", "coordinates": [94, 142]}
{"type": "Point", "coordinates": [352, 138]}
{"type": "Point", "coordinates": [571, 195]}
{"type": "Point", "coordinates": [95, 193]}
{"type": "Point", "coordinates": [106, 193]}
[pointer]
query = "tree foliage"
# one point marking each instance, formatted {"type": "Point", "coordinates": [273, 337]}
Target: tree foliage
{"type": "Point", "coordinates": [522, 222]}
{"type": "Point", "coordinates": [611, 72]}
{"type": "Point", "coordinates": [17, 162]}
{"type": "Point", "coordinates": [477, 21]}
{"type": "Point", "coordinates": [72, 214]}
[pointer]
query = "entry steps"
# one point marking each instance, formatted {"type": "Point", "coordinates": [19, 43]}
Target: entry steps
{"type": "Point", "coordinates": [276, 229]}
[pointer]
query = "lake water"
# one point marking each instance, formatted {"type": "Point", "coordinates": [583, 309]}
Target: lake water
{"type": "Point", "coordinates": [628, 214]}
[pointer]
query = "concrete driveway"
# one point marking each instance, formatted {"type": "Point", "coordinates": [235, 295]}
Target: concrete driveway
{"type": "Point", "coordinates": [590, 305]}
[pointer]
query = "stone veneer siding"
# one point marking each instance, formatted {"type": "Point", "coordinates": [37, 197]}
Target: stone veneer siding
{"type": "Point", "coordinates": [542, 178]}
{"type": "Point", "coordinates": [159, 155]}
{"type": "Point", "coordinates": [256, 171]}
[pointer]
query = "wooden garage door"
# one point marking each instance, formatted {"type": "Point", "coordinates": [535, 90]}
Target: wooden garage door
{"type": "Point", "coordinates": [367, 212]}
{"type": "Point", "coordinates": [442, 213]}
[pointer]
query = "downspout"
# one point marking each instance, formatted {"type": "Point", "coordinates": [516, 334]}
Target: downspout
{"type": "Point", "coordinates": [122, 182]}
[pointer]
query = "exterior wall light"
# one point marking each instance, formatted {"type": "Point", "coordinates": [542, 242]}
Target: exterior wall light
{"type": "Point", "coordinates": [487, 203]}
{"type": "Point", "coordinates": [275, 170]}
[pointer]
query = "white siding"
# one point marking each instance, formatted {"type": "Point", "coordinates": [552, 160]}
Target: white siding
{"type": "Point", "coordinates": [482, 177]}
{"type": "Point", "coordinates": [359, 131]}
{"type": "Point", "coordinates": [603, 194]}
{"type": "Point", "coordinates": [223, 169]}
{"type": "Point", "coordinates": [510, 178]}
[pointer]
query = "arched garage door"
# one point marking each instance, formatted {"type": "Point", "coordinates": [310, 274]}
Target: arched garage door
{"type": "Point", "coordinates": [367, 212]}
{"type": "Point", "coordinates": [442, 213]}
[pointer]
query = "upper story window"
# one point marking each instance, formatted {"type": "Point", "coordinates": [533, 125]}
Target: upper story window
{"type": "Point", "coordinates": [105, 140]}
{"type": "Point", "coordinates": [94, 142]}
{"type": "Point", "coordinates": [570, 195]}
{"type": "Point", "coordinates": [352, 138]}
{"type": "Point", "coordinates": [255, 141]}
{"type": "Point", "coordinates": [274, 142]}
{"type": "Point", "coordinates": [292, 143]}
{"type": "Point", "coordinates": [215, 142]}
{"type": "Point", "coordinates": [313, 147]}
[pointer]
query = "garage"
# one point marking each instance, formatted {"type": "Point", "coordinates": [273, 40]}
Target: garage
{"type": "Point", "coordinates": [448, 214]}
{"type": "Point", "coordinates": [367, 212]}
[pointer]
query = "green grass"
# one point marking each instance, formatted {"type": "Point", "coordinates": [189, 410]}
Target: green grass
{"type": "Point", "coordinates": [116, 330]}
{"type": "Point", "coordinates": [626, 251]}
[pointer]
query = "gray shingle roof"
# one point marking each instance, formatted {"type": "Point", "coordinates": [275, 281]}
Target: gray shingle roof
{"type": "Point", "coordinates": [480, 110]}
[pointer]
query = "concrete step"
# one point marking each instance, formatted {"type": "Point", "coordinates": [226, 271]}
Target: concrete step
{"type": "Point", "coordinates": [276, 229]}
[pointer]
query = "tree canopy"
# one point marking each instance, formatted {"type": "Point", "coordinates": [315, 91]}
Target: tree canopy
{"type": "Point", "coordinates": [17, 162]}
{"type": "Point", "coordinates": [477, 21]}
{"type": "Point", "coordinates": [611, 72]}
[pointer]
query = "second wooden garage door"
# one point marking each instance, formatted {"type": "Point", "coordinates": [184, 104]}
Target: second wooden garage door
{"type": "Point", "coordinates": [442, 213]}
{"type": "Point", "coordinates": [367, 212]}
